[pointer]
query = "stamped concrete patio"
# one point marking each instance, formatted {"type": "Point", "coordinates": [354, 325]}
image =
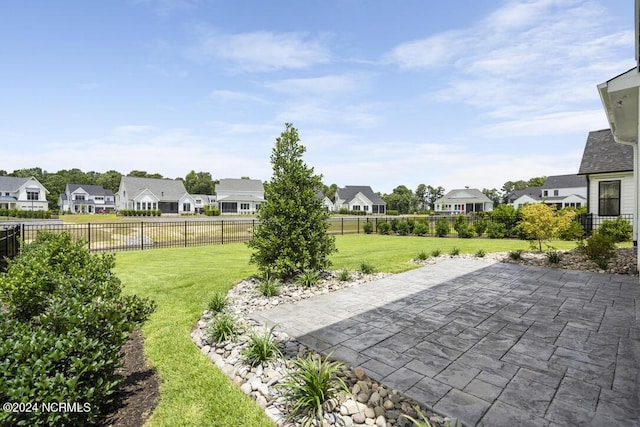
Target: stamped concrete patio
{"type": "Point", "coordinates": [491, 344]}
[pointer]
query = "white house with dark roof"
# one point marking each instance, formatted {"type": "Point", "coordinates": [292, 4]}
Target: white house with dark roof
{"type": "Point", "coordinates": [608, 168]}
{"type": "Point", "coordinates": [239, 195]}
{"type": "Point", "coordinates": [167, 195]}
{"type": "Point", "coordinates": [463, 201]}
{"type": "Point", "coordinates": [83, 198]}
{"type": "Point", "coordinates": [529, 195]}
{"type": "Point", "coordinates": [564, 191]}
{"type": "Point", "coordinates": [359, 198]}
{"type": "Point", "coordinates": [203, 201]}
{"type": "Point", "coordinates": [327, 204]}
{"type": "Point", "coordinates": [26, 194]}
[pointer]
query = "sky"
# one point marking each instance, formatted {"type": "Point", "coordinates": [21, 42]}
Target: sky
{"type": "Point", "coordinates": [383, 93]}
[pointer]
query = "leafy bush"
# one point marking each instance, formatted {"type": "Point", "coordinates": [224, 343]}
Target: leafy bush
{"type": "Point", "coordinates": [392, 212]}
{"type": "Point", "coordinates": [312, 382]}
{"type": "Point", "coordinates": [367, 268]}
{"type": "Point", "coordinates": [218, 302]}
{"type": "Point", "coordinates": [308, 278]}
{"type": "Point", "coordinates": [497, 230]}
{"type": "Point", "coordinates": [211, 211]}
{"type": "Point", "coordinates": [291, 235]}
{"type": "Point", "coordinates": [421, 229]}
{"type": "Point", "coordinates": [222, 328]}
{"type": "Point", "coordinates": [269, 286]}
{"type": "Point", "coordinates": [403, 228]}
{"type": "Point", "coordinates": [480, 253]}
{"type": "Point", "coordinates": [394, 225]}
{"type": "Point", "coordinates": [64, 323]}
{"type": "Point", "coordinates": [262, 348]}
{"type": "Point", "coordinates": [454, 251]}
{"type": "Point", "coordinates": [422, 255]}
{"type": "Point", "coordinates": [573, 231]}
{"type": "Point", "coordinates": [480, 226]}
{"type": "Point", "coordinates": [344, 276]}
{"type": "Point", "coordinates": [411, 223]}
{"type": "Point", "coordinates": [508, 217]}
{"type": "Point", "coordinates": [436, 253]}
{"type": "Point", "coordinates": [384, 228]}
{"type": "Point", "coordinates": [442, 228]}
{"type": "Point", "coordinates": [516, 255]}
{"type": "Point", "coordinates": [367, 227]}
{"type": "Point", "coordinates": [554, 257]}
{"type": "Point", "coordinates": [618, 230]}
{"type": "Point", "coordinates": [541, 223]}
{"type": "Point", "coordinates": [599, 248]}
{"type": "Point", "coordinates": [462, 226]}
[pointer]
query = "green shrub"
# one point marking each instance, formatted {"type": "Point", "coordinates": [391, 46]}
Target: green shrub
{"type": "Point", "coordinates": [442, 228]}
{"type": "Point", "coordinates": [218, 302]}
{"type": "Point", "coordinates": [480, 253]}
{"type": "Point", "coordinates": [497, 230]}
{"type": "Point", "coordinates": [367, 227]}
{"type": "Point", "coordinates": [554, 257]}
{"type": "Point", "coordinates": [308, 278]}
{"type": "Point", "coordinates": [367, 268]}
{"type": "Point", "coordinates": [384, 227]}
{"type": "Point", "coordinates": [269, 286]}
{"type": "Point", "coordinates": [599, 248]}
{"type": "Point", "coordinates": [463, 227]}
{"type": "Point", "coordinates": [312, 382]}
{"type": "Point", "coordinates": [403, 228]}
{"type": "Point", "coordinates": [63, 326]}
{"type": "Point", "coordinates": [411, 223]}
{"type": "Point", "coordinates": [516, 255]}
{"type": "Point", "coordinates": [394, 225]}
{"type": "Point", "coordinates": [211, 211]}
{"type": "Point", "coordinates": [222, 328]}
{"type": "Point", "coordinates": [508, 217]}
{"type": "Point", "coordinates": [422, 255]}
{"type": "Point", "coordinates": [262, 348]}
{"type": "Point", "coordinates": [573, 231]}
{"type": "Point", "coordinates": [618, 230]}
{"type": "Point", "coordinates": [392, 212]}
{"type": "Point", "coordinates": [436, 253]}
{"type": "Point", "coordinates": [344, 276]}
{"type": "Point", "coordinates": [481, 226]}
{"type": "Point", "coordinates": [454, 251]}
{"type": "Point", "coordinates": [421, 229]}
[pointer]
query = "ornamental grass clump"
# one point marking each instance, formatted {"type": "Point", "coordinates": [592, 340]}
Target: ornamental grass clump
{"type": "Point", "coordinates": [344, 276]}
{"type": "Point", "coordinates": [436, 253]}
{"type": "Point", "coordinates": [262, 348]}
{"type": "Point", "coordinates": [515, 255]}
{"type": "Point", "coordinates": [554, 257]}
{"type": "Point", "coordinates": [308, 278]}
{"type": "Point", "coordinates": [312, 381]}
{"type": "Point", "coordinates": [222, 328]}
{"type": "Point", "coordinates": [269, 286]}
{"type": "Point", "coordinates": [217, 303]}
{"type": "Point", "coordinates": [422, 255]}
{"type": "Point", "coordinates": [367, 268]}
{"type": "Point", "coordinates": [480, 253]}
{"type": "Point", "coordinates": [454, 251]}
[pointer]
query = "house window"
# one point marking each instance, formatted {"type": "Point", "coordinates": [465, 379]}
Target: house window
{"type": "Point", "coordinates": [355, 208]}
{"type": "Point", "coordinates": [545, 193]}
{"type": "Point", "coordinates": [244, 206]}
{"type": "Point", "coordinates": [186, 207]}
{"type": "Point", "coordinates": [257, 206]}
{"type": "Point", "coordinates": [555, 192]}
{"type": "Point", "coordinates": [80, 197]}
{"type": "Point", "coordinates": [366, 208]}
{"type": "Point", "coordinates": [609, 198]}
{"type": "Point", "coordinates": [33, 195]}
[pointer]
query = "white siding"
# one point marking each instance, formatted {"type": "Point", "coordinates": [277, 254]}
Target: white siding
{"type": "Point", "coordinates": [626, 189]}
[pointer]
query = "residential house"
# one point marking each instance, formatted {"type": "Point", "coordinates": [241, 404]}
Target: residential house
{"type": "Point", "coordinates": [608, 169]}
{"type": "Point", "coordinates": [26, 194]}
{"type": "Point", "coordinates": [327, 204]}
{"type": "Point", "coordinates": [203, 201]}
{"type": "Point", "coordinates": [560, 191]}
{"type": "Point", "coordinates": [167, 195]}
{"type": "Point", "coordinates": [359, 198]}
{"type": "Point", "coordinates": [239, 196]}
{"type": "Point", "coordinates": [83, 198]}
{"type": "Point", "coordinates": [463, 201]}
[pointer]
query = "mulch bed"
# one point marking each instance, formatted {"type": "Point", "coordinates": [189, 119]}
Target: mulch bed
{"type": "Point", "coordinates": [138, 396]}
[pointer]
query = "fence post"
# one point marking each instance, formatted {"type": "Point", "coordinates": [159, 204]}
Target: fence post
{"type": "Point", "coordinates": [89, 235]}
{"type": "Point", "coordinates": [185, 233]}
{"type": "Point", "coordinates": [376, 224]}
{"type": "Point", "coordinates": [342, 226]}
{"type": "Point", "coordinates": [358, 225]}
{"type": "Point", "coordinates": [222, 232]}
{"type": "Point", "coordinates": [141, 235]}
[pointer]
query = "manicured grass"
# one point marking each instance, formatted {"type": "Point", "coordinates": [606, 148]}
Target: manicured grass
{"type": "Point", "coordinates": [86, 218]}
{"type": "Point", "coordinates": [181, 281]}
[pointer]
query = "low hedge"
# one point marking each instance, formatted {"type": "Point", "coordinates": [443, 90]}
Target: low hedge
{"type": "Point", "coordinates": [18, 213]}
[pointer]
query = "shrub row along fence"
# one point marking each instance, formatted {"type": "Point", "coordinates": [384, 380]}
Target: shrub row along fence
{"type": "Point", "coordinates": [125, 236]}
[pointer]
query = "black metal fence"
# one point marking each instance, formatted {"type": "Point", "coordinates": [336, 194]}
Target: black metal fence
{"type": "Point", "coordinates": [123, 236]}
{"type": "Point", "coordinates": [591, 222]}
{"type": "Point", "coordinates": [9, 244]}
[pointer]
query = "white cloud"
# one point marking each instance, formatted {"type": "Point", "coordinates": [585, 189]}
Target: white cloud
{"type": "Point", "coordinates": [233, 96]}
{"type": "Point", "coordinates": [318, 86]}
{"type": "Point", "coordinates": [431, 52]}
{"type": "Point", "coordinates": [260, 50]}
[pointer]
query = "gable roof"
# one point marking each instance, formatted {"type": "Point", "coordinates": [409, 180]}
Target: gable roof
{"type": "Point", "coordinates": [239, 185]}
{"type": "Point", "coordinates": [350, 191]}
{"type": "Point", "coordinates": [12, 183]}
{"type": "Point", "coordinates": [466, 193]}
{"type": "Point", "coordinates": [94, 190]}
{"type": "Point", "coordinates": [533, 192]}
{"type": "Point", "coordinates": [565, 181]}
{"type": "Point", "coordinates": [602, 154]}
{"type": "Point", "coordinates": [163, 189]}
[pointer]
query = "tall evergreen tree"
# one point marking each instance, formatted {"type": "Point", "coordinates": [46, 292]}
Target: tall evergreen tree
{"type": "Point", "coordinates": [292, 232]}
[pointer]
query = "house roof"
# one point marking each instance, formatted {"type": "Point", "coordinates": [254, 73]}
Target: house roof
{"type": "Point", "coordinates": [12, 183]}
{"type": "Point", "coordinates": [350, 191]}
{"type": "Point", "coordinates": [163, 189]}
{"type": "Point", "coordinates": [533, 192]}
{"type": "Point", "coordinates": [602, 154]}
{"type": "Point", "coordinates": [466, 194]}
{"type": "Point", "coordinates": [93, 190]}
{"type": "Point", "coordinates": [565, 181]}
{"type": "Point", "coordinates": [234, 185]}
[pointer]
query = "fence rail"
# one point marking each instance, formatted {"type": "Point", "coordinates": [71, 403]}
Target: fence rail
{"type": "Point", "coordinates": [126, 236]}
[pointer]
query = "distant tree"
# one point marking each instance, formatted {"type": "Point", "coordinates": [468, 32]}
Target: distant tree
{"type": "Point", "coordinates": [330, 191]}
{"type": "Point", "coordinates": [110, 180]}
{"type": "Point", "coordinates": [199, 183]}
{"type": "Point", "coordinates": [537, 181]}
{"type": "Point", "coordinates": [421, 196]}
{"type": "Point", "coordinates": [492, 194]}
{"type": "Point", "coordinates": [291, 235]}
{"type": "Point", "coordinates": [433, 194]}
{"type": "Point", "coordinates": [401, 199]}
{"type": "Point", "coordinates": [144, 174]}
{"type": "Point", "coordinates": [3, 172]}
{"type": "Point", "coordinates": [511, 186]}
{"type": "Point", "coordinates": [540, 223]}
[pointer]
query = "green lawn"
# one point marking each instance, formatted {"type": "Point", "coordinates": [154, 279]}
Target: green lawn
{"type": "Point", "coordinates": [193, 391]}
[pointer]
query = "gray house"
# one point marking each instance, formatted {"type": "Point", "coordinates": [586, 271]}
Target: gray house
{"type": "Point", "coordinates": [167, 195]}
{"type": "Point", "coordinates": [608, 168]}
{"type": "Point", "coordinates": [26, 194]}
{"type": "Point", "coordinates": [462, 201]}
{"type": "Point", "coordinates": [359, 198]}
{"type": "Point", "coordinates": [239, 196]}
{"type": "Point", "coordinates": [82, 198]}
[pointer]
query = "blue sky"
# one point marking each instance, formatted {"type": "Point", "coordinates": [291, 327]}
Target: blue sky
{"type": "Point", "coordinates": [383, 93]}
